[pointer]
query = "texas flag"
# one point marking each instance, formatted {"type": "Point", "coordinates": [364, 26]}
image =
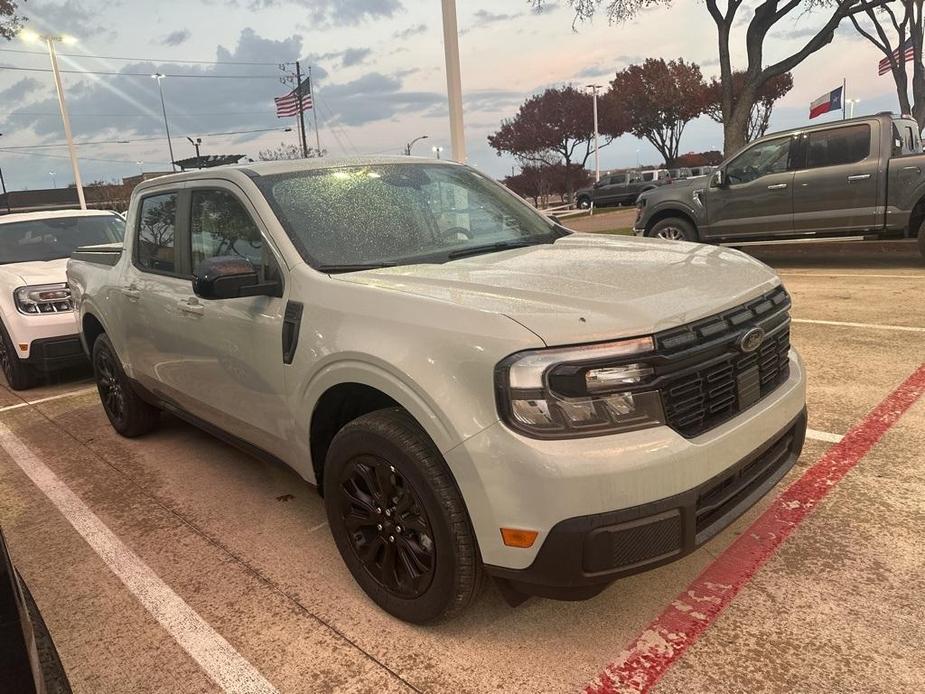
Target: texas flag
{"type": "Point", "coordinates": [827, 102]}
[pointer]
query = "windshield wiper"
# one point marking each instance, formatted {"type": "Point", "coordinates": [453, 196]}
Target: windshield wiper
{"type": "Point", "coordinates": [491, 248]}
{"type": "Point", "coordinates": [354, 267]}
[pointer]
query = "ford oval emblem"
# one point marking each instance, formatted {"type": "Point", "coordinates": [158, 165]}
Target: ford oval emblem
{"type": "Point", "coordinates": [751, 339]}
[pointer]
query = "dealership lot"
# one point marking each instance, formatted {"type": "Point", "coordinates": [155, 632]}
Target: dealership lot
{"type": "Point", "coordinates": [202, 568]}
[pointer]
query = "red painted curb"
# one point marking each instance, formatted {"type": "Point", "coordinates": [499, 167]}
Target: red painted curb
{"type": "Point", "coordinates": [660, 644]}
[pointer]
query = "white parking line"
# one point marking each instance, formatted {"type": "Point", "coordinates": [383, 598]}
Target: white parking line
{"type": "Point", "coordinates": [874, 326]}
{"type": "Point", "coordinates": [218, 658]}
{"type": "Point", "coordinates": [850, 274]}
{"type": "Point", "coordinates": [823, 436]}
{"type": "Point", "coordinates": [72, 393]}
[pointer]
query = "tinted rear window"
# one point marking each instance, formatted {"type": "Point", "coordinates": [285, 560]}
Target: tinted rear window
{"type": "Point", "coordinates": [56, 237]}
{"type": "Point", "coordinates": [838, 146]}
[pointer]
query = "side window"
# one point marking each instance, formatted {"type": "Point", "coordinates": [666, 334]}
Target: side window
{"type": "Point", "coordinates": [220, 226]}
{"type": "Point", "coordinates": [837, 146]}
{"type": "Point", "coordinates": [761, 160]}
{"type": "Point", "coordinates": [648, 176]}
{"type": "Point", "coordinates": [155, 241]}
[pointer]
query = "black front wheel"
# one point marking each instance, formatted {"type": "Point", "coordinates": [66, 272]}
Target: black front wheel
{"type": "Point", "coordinates": [398, 519]}
{"type": "Point", "coordinates": [129, 414]}
{"type": "Point", "coordinates": [19, 376]}
{"type": "Point", "coordinates": [673, 229]}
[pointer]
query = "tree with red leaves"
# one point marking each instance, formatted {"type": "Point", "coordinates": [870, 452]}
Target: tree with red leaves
{"type": "Point", "coordinates": [556, 127]}
{"type": "Point", "coordinates": [760, 116]}
{"type": "Point", "coordinates": [659, 99]}
{"type": "Point", "coordinates": [539, 181]}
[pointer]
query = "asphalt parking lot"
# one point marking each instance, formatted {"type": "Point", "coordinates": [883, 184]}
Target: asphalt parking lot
{"type": "Point", "coordinates": [217, 562]}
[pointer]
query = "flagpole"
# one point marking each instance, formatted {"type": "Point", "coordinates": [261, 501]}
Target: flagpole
{"type": "Point", "coordinates": [844, 98]}
{"type": "Point", "coordinates": [298, 91]}
{"type": "Point", "coordinates": [311, 90]}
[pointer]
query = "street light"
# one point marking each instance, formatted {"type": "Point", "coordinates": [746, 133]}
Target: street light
{"type": "Point", "coordinates": [852, 102]}
{"type": "Point", "coordinates": [436, 151]}
{"type": "Point", "coordinates": [411, 144]}
{"type": "Point", "coordinates": [453, 80]}
{"type": "Point", "coordinates": [196, 143]}
{"type": "Point", "coordinates": [158, 76]}
{"type": "Point", "coordinates": [140, 168]}
{"type": "Point", "coordinates": [50, 39]}
{"type": "Point", "coordinates": [54, 181]}
{"type": "Point", "coordinates": [597, 155]}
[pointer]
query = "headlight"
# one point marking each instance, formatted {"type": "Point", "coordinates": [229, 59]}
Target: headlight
{"type": "Point", "coordinates": [579, 391]}
{"type": "Point", "coordinates": [43, 298]}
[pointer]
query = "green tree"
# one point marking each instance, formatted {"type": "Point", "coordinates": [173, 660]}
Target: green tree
{"type": "Point", "coordinates": [10, 22]}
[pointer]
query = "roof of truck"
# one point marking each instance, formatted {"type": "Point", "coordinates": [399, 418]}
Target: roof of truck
{"type": "Point", "coordinates": [53, 214]}
{"type": "Point", "coordinates": [267, 168]}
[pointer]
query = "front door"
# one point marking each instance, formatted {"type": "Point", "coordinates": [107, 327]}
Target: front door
{"type": "Point", "coordinates": [837, 189]}
{"type": "Point", "coordinates": [232, 371]}
{"type": "Point", "coordinates": [755, 198]}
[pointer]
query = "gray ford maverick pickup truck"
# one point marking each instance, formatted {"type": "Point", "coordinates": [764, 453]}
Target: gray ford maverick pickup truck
{"type": "Point", "coordinates": [860, 177]}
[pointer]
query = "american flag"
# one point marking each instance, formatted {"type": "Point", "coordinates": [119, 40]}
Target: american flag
{"type": "Point", "coordinates": [901, 54]}
{"type": "Point", "coordinates": [288, 105]}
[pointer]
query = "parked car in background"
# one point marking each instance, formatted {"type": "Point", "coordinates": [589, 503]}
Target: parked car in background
{"type": "Point", "coordinates": [863, 177]}
{"type": "Point", "coordinates": [38, 330]}
{"type": "Point", "coordinates": [679, 174]}
{"type": "Point", "coordinates": [701, 171]}
{"type": "Point", "coordinates": [617, 189]}
{"type": "Point", "coordinates": [461, 417]}
{"type": "Point", "coordinates": [29, 662]}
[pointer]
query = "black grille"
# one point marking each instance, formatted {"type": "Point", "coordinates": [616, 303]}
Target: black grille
{"type": "Point", "coordinates": [632, 543]}
{"type": "Point", "coordinates": [705, 379]}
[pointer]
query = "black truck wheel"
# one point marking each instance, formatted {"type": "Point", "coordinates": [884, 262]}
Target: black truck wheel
{"type": "Point", "coordinates": [129, 414]}
{"type": "Point", "coordinates": [398, 519]}
{"type": "Point", "coordinates": [673, 229]}
{"type": "Point", "coordinates": [19, 375]}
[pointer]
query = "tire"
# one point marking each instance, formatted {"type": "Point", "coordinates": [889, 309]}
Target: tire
{"type": "Point", "coordinates": [673, 229]}
{"type": "Point", "coordinates": [922, 240]}
{"type": "Point", "coordinates": [129, 414]}
{"type": "Point", "coordinates": [19, 376]}
{"type": "Point", "coordinates": [584, 203]}
{"type": "Point", "coordinates": [375, 459]}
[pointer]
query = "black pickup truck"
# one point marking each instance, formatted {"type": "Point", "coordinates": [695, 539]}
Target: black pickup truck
{"type": "Point", "coordinates": [863, 177]}
{"type": "Point", "coordinates": [617, 189]}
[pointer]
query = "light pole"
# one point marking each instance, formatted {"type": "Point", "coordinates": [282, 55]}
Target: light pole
{"type": "Point", "coordinates": [54, 181]}
{"type": "Point", "coordinates": [453, 80]}
{"type": "Point", "coordinates": [853, 102]}
{"type": "Point", "coordinates": [50, 40]}
{"type": "Point", "coordinates": [597, 155]}
{"type": "Point", "coordinates": [141, 168]}
{"type": "Point", "coordinates": [411, 144]}
{"type": "Point", "coordinates": [158, 76]}
{"type": "Point", "coordinates": [436, 151]}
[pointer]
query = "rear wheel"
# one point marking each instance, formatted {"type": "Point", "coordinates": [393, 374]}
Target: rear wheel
{"type": "Point", "coordinates": [398, 519]}
{"type": "Point", "coordinates": [19, 376]}
{"type": "Point", "coordinates": [129, 414]}
{"type": "Point", "coordinates": [922, 240]}
{"type": "Point", "coordinates": [584, 203]}
{"type": "Point", "coordinates": [673, 229]}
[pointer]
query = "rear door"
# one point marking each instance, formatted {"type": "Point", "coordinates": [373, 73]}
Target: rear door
{"type": "Point", "coordinates": [755, 199]}
{"type": "Point", "coordinates": [837, 185]}
{"type": "Point", "coordinates": [612, 191]}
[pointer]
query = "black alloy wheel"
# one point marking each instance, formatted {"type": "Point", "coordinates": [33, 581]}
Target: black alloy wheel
{"type": "Point", "coordinates": [127, 412]}
{"type": "Point", "coordinates": [110, 387]}
{"type": "Point", "coordinates": [389, 531]}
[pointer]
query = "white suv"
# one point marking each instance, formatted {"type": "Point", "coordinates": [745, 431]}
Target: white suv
{"type": "Point", "coordinates": [38, 332]}
{"type": "Point", "coordinates": [475, 389]}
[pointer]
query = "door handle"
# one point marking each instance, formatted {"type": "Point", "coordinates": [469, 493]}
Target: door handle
{"type": "Point", "coordinates": [190, 306]}
{"type": "Point", "coordinates": [131, 292]}
{"type": "Point", "coordinates": [917, 169]}
{"type": "Point", "coordinates": [858, 177]}
{"type": "Point", "coordinates": [778, 186]}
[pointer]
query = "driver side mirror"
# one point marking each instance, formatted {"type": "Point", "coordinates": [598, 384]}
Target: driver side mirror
{"type": "Point", "coordinates": [719, 179]}
{"type": "Point", "coordinates": [231, 277]}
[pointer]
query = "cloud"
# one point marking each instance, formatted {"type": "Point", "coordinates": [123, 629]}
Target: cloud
{"type": "Point", "coordinates": [407, 33]}
{"type": "Point", "coordinates": [354, 56]}
{"type": "Point", "coordinates": [175, 38]}
{"type": "Point", "coordinates": [69, 17]}
{"type": "Point", "coordinates": [19, 90]}
{"type": "Point", "coordinates": [484, 18]}
{"type": "Point", "coordinates": [337, 12]}
{"type": "Point", "coordinates": [373, 97]}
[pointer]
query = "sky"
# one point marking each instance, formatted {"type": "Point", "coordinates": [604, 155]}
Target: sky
{"type": "Point", "coordinates": [378, 69]}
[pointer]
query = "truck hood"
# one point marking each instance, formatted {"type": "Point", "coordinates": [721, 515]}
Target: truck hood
{"type": "Point", "coordinates": [36, 272]}
{"type": "Point", "coordinates": [588, 287]}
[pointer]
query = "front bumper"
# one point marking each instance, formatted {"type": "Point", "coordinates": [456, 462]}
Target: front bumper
{"type": "Point", "coordinates": [53, 353]}
{"type": "Point", "coordinates": [582, 555]}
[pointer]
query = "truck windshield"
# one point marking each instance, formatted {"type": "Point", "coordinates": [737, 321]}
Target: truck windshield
{"type": "Point", "coordinates": [351, 218]}
{"type": "Point", "coordinates": [57, 237]}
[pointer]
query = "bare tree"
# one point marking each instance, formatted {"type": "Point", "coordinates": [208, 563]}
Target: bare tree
{"type": "Point", "coordinates": [889, 31]}
{"type": "Point", "coordinates": [283, 152]}
{"type": "Point", "coordinates": [760, 117]}
{"type": "Point", "coordinates": [724, 13]}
